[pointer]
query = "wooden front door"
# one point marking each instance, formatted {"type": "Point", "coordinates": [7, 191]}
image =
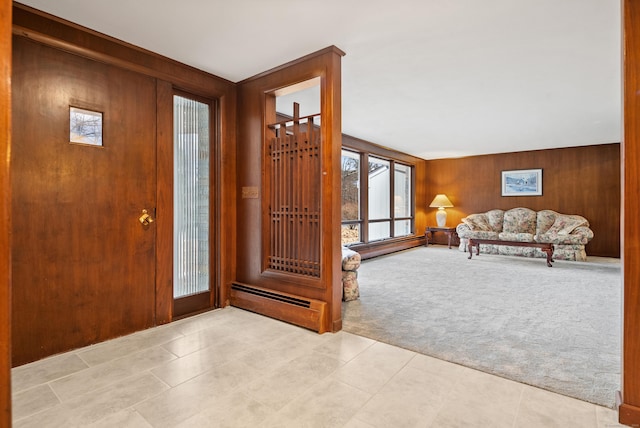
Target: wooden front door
{"type": "Point", "coordinates": [83, 264]}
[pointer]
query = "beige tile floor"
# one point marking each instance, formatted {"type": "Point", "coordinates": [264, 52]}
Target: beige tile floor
{"type": "Point", "coordinates": [232, 368]}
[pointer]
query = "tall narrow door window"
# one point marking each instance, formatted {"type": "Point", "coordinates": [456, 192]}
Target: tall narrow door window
{"type": "Point", "coordinates": [191, 197]}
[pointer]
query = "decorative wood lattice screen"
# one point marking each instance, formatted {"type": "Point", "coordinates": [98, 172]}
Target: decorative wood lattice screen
{"type": "Point", "coordinates": [294, 208]}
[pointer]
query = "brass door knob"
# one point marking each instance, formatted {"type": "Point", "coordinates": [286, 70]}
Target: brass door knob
{"type": "Point", "coordinates": [145, 218]}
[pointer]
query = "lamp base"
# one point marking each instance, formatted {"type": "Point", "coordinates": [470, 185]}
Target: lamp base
{"type": "Point", "coordinates": [441, 217]}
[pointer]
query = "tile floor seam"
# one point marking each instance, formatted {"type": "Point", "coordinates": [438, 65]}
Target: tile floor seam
{"type": "Point", "coordinates": [595, 416]}
{"type": "Point", "coordinates": [60, 400]}
{"type": "Point", "coordinates": [390, 378]}
{"type": "Point", "coordinates": [79, 355]}
{"type": "Point", "coordinates": [134, 375]}
{"type": "Point", "coordinates": [53, 390]}
{"type": "Point", "coordinates": [34, 414]}
{"type": "Point", "coordinates": [355, 418]}
{"type": "Point", "coordinates": [517, 415]}
{"type": "Point", "coordinates": [163, 382]}
{"type": "Point", "coordinates": [372, 394]}
{"type": "Point", "coordinates": [309, 387]}
{"type": "Point", "coordinates": [333, 379]}
{"type": "Point", "coordinates": [441, 406]}
{"type": "Point", "coordinates": [173, 353]}
{"type": "Point", "coordinates": [110, 383]}
{"type": "Point", "coordinates": [355, 415]}
{"type": "Point", "coordinates": [133, 408]}
{"type": "Point", "coordinates": [372, 341]}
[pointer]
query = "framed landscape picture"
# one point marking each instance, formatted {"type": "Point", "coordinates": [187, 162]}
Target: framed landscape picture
{"type": "Point", "coordinates": [85, 126]}
{"type": "Point", "coordinates": [522, 182]}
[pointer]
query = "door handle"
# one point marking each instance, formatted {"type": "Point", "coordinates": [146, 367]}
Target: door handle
{"type": "Point", "coordinates": [145, 218]}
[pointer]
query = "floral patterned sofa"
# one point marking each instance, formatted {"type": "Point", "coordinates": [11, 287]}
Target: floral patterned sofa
{"type": "Point", "coordinates": [350, 265]}
{"type": "Point", "coordinates": [568, 233]}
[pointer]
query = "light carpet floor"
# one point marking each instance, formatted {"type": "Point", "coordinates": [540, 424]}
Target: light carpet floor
{"type": "Point", "coordinates": [556, 328]}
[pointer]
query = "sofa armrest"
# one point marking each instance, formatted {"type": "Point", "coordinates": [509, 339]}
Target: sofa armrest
{"type": "Point", "coordinates": [463, 230]}
{"type": "Point", "coordinates": [584, 231]}
{"type": "Point", "coordinates": [580, 235]}
{"type": "Point", "coordinates": [350, 259]}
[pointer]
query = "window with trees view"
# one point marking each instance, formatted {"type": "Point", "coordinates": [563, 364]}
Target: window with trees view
{"type": "Point", "coordinates": [376, 203]}
{"type": "Point", "coordinates": [350, 197]}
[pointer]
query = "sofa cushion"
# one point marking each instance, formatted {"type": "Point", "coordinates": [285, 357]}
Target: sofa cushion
{"type": "Point", "coordinates": [518, 237]}
{"type": "Point", "coordinates": [520, 220]}
{"type": "Point", "coordinates": [477, 222]}
{"type": "Point", "coordinates": [564, 224]}
{"type": "Point", "coordinates": [481, 234]}
{"type": "Point", "coordinates": [495, 219]}
{"type": "Point", "coordinates": [545, 220]}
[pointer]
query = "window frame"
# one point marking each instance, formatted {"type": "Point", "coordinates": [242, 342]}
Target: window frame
{"type": "Point", "coordinates": [364, 221]}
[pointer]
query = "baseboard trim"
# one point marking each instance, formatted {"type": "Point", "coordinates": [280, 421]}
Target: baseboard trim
{"type": "Point", "coordinates": [298, 310]}
{"type": "Point", "coordinates": [382, 248]}
{"type": "Point", "coordinates": [627, 414]}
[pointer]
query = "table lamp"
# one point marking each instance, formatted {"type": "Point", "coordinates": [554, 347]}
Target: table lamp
{"type": "Point", "coordinates": [441, 202]}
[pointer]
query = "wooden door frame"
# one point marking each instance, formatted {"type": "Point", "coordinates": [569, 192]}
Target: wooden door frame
{"type": "Point", "coordinates": [164, 269]}
{"type": "Point", "coordinates": [184, 307]}
{"type": "Point", "coordinates": [629, 401]}
{"type": "Point", "coordinates": [5, 213]}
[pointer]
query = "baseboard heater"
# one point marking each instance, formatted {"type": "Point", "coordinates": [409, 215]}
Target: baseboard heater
{"type": "Point", "coordinates": [298, 310]}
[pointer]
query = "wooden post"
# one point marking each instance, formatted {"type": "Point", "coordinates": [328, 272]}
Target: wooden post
{"type": "Point", "coordinates": [5, 213]}
{"type": "Point", "coordinates": [629, 408]}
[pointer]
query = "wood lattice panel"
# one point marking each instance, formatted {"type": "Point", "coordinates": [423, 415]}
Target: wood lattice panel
{"type": "Point", "coordinates": [294, 208]}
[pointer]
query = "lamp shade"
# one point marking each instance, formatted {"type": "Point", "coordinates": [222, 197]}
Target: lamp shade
{"type": "Point", "coordinates": [441, 201]}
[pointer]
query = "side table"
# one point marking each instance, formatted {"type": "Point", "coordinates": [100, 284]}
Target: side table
{"type": "Point", "coordinates": [449, 231]}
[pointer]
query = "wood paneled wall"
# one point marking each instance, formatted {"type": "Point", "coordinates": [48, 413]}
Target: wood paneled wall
{"type": "Point", "coordinates": [169, 75]}
{"type": "Point", "coordinates": [576, 180]}
{"type": "Point", "coordinates": [83, 286]}
{"type": "Point", "coordinates": [5, 210]}
{"type": "Point", "coordinates": [629, 410]}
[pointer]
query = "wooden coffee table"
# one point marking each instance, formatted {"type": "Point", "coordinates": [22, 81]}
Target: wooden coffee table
{"type": "Point", "coordinates": [544, 246]}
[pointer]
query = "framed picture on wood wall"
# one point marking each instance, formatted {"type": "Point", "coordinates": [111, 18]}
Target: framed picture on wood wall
{"type": "Point", "coordinates": [522, 182]}
{"type": "Point", "coordinates": [85, 126]}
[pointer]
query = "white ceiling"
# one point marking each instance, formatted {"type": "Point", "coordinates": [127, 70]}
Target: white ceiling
{"type": "Point", "coordinates": [431, 78]}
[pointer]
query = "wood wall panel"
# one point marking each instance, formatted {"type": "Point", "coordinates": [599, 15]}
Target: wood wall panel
{"type": "Point", "coordinates": [67, 36]}
{"type": "Point", "coordinates": [5, 213]}
{"type": "Point", "coordinates": [169, 75]}
{"type": "Point", "coordinates": [81, 261]}
{"type": "Point", "coordinates": [226, 198]}
{"type": "Point", "coordinates": [164, 202]}
{"type": "Point", "coordinates": [629, 409]}
{"type": "Point", "coordinates": [577, 180]}
{"type": "Point", "coordinates": [52, 31]}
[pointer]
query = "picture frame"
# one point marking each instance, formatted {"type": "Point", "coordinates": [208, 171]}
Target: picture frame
{"type": "Point", "coordinates": [85, 126]}
{"type": "Point", "coordinates": [522, 182]}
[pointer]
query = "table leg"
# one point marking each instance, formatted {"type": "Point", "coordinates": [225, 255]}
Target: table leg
{"type": "Point", "coordinates": [426, 238]}
{"type": "Point", "coordinates": [549, 252]}
{"type": "Point", "coordinates": [449, 234]}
